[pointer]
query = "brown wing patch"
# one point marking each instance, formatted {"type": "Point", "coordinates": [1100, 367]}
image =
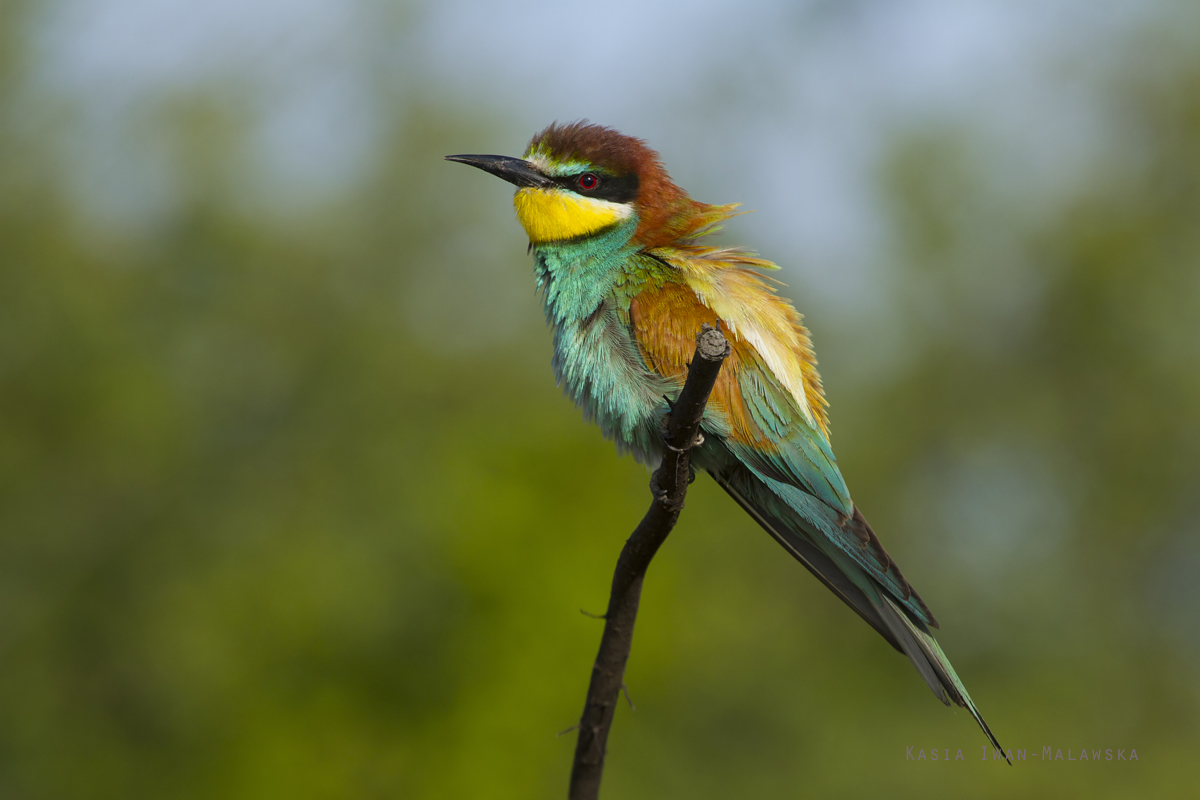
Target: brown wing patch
{"type": "Point", "coordinates": [665, 323]}
{"type": "Point", "coordinates": [721, 275]}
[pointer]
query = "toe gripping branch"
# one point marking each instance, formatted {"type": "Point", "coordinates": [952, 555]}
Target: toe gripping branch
{"type": "Point", "coordinates": [669, 487]}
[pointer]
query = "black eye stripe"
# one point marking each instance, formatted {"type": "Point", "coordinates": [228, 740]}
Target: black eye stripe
{"type": "Point", "coordinates": [614, 188]}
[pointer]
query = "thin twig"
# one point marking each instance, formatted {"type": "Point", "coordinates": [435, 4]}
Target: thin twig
{"type": "Point", "coordinates": [628, 699]}
{"type": "Point", "coordinates": [669, 486]}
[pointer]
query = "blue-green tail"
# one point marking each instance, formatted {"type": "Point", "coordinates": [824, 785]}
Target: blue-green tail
{"type": "Point", "coordinates": [888, 615]}
{"type": "Point", "coordinates": [931, 662]}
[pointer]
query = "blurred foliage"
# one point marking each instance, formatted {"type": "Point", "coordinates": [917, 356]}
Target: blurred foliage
{"type": "Point", "coordinates": [291, 507]}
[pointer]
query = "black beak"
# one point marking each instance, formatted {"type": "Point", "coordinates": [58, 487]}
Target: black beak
{"type": "Point", "coordinates": [514, 170]}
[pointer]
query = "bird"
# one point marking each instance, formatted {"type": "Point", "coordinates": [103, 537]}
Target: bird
{"type": "Point", "coordinates": [627, 279]}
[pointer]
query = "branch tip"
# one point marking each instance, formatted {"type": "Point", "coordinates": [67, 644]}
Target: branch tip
{"type": "Point", "coordinates": [711, 344]}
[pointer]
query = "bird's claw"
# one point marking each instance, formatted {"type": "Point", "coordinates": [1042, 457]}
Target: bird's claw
{"type": "Point", "coordinates": [661, 495]}
{"type": "Point", "coordinates": [656, 488]}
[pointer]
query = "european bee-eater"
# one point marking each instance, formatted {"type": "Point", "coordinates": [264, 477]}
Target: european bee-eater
{"type": "Point", "coordinates": [626, 285]}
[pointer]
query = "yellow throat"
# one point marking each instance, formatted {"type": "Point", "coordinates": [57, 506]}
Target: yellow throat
{"type": "Point", "coordinates": [553, 215]}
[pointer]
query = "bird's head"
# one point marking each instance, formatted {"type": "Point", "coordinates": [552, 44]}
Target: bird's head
{"type": "Point", "coordinates": [579, 180]}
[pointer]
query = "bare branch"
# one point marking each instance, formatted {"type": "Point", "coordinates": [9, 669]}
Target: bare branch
{"type": "Point", "coordinates": [669, 487]}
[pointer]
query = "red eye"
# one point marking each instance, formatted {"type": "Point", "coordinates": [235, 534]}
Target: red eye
{"type": "Point", "coordinates": [588, 181]}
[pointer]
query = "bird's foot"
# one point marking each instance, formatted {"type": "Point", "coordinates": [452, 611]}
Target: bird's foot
{"type": "Point", "coordinates": [663, 431]}
{"type": "Point", "coordinates": [656, 487]}
{"type": "Point", "coordinates": [662, 495]}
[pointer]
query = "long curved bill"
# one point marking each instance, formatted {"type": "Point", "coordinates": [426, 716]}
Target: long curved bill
{"type": "Point", "coordinates": [516, 171]}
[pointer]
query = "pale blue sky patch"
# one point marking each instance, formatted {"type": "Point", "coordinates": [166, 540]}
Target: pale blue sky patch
{"type": "Point", "coordinates": [785, 107]}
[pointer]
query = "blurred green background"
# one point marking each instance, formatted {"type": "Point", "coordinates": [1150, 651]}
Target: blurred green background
{"type": "Point", "coordinates": [291, 507]}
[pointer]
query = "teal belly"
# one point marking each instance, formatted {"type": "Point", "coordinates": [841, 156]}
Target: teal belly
{"type": "Point", "coordinates": [598, 366]}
